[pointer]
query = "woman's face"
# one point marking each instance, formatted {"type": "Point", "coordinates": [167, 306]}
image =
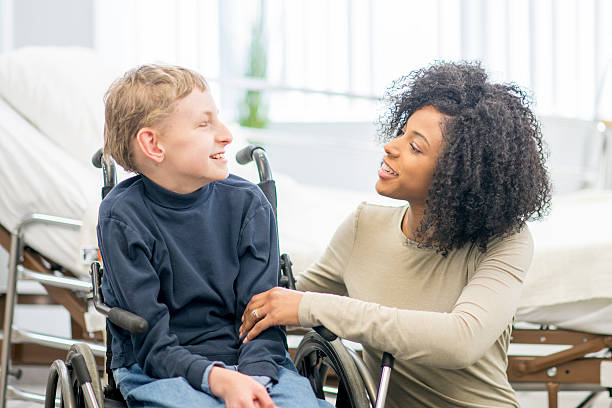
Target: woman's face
{"type": "Point", "coordinates": [409, 161]}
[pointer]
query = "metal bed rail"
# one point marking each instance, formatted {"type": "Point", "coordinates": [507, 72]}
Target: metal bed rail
{"type": "Point", "coordinates": [13, 334]}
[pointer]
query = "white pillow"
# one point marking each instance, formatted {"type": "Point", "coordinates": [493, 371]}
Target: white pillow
{"type": "Point", "coordinates": [60, 90]}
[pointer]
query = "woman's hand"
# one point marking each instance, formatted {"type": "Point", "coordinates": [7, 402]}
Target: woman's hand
{"type": "Point", "coordinates": [238, 390]}
{"type": "Point", "coordinates": [275, 307]}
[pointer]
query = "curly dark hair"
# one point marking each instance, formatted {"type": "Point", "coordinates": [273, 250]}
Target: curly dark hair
{"type": "Point", "coordinates": [491, 176]}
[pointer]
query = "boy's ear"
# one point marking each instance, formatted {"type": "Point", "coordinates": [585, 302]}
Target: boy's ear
{"type": "Point", "coordinates": [147, 140]}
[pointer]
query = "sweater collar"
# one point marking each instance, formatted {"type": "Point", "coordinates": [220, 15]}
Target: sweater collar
{"type": "Point", "coordinates": [170, 199]}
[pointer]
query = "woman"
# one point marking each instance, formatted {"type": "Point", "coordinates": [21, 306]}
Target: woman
{"type": "Point", "coordinates": [436, 282]}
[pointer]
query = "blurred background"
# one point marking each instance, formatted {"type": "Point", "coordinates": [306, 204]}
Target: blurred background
{"type": "Point", "coordinates": [305, 78]}
{"type": "Point", "coordinates": [311, 72]}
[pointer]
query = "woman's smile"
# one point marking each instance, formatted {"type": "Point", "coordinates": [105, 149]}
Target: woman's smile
{"type": "Point", "coordinates": [386, 172]}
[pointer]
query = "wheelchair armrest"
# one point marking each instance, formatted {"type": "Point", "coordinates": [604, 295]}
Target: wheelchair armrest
{"type": "Point", "coordinates": [122, 318]}
{"type": "Point", "coordinates": [127, 320]}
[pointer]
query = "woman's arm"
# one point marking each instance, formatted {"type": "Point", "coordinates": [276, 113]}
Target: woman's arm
{"type": "Point", "coordinates": [449, 340]}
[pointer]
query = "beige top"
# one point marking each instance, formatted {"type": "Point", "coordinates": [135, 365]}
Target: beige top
{"type": "Point", "coordinates": [447, 320]}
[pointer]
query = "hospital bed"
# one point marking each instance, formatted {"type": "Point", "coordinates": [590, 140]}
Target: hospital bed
{"type": "Point", "coordinates": [568, 294]}
{"type": "Point", "coordinates": [47, 135]}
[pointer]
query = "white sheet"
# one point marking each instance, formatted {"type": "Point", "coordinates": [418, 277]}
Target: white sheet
{"type": "Point", "coordinates": [45, 158]}
{"type": "Point", "coordinates": [37, 176]}
{"type": "Point", "coordinates": [573, 251]}
{"type": "Point", "coordinates": [590, 315]}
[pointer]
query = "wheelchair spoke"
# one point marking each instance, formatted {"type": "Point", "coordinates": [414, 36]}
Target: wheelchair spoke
{"type": "Point", "coordinates": [310, 366]}
{"type": "Point", "coordinates": [324, 370]}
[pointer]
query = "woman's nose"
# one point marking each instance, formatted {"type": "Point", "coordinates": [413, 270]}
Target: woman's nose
{"type": "Point", "coordinates": [391, 148]}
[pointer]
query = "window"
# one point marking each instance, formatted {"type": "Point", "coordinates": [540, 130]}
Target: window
{"type": "Point", "coordinates": [330, 60]}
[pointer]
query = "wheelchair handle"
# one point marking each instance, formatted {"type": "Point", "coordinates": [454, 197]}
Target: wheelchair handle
{"type": "Point", "coordinates": [96, 159]}
{"type": "Point", "coordinates": [245, 155]}
{"type": "Point", "coordinates": [108, 171]}
{"type": "Point", "coordinates": [325, 333]}
{"type": "Point", "coordinates": [257, 153]}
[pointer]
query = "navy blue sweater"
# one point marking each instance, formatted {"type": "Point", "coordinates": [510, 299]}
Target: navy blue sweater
{"type": "Point", "coordinates": [189, 264]}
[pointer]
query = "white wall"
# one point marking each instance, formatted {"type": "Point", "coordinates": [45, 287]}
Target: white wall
{"type": "Point", "coordinates": [44, 22]}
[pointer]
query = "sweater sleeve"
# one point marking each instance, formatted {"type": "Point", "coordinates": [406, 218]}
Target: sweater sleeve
{"type": "Point", "coordinates": [326, 274]}
{"type": "Point", "coordinates": [133, 283]}
{"type": "Point", "coordinates": [456, 339]}
{"type": "Point", "coordinates": [259, 266]}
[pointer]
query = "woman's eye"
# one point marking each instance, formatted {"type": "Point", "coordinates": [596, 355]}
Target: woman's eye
{"type": "Point", "coordinates": [414, 148]}
{"type": "Point", "coordinates": [203, 124]}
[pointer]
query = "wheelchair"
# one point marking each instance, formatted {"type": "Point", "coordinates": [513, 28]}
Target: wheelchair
{"type": "Point", "coordinates": [321, 356]}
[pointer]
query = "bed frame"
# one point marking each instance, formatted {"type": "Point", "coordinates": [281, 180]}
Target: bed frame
{"type": "Point", "coordinates": [569, 369]}
{"type": "Point", "coordinates": [24, 346]}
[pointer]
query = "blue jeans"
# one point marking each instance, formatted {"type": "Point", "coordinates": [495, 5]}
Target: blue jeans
{"type": "Point", "coordinates": [140, 390]}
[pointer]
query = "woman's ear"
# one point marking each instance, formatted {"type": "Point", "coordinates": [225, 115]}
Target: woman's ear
{"type": "Point", "coordinates": [147, 140]}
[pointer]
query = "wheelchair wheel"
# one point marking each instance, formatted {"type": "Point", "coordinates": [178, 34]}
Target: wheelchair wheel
{"type": "Point", "coordinates": [315, 357]}
{"type": "Point", "coordinates": [92, 368]}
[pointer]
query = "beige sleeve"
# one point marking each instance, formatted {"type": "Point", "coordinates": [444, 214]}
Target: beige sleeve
{"type": "Point", "coordinates": [456, 339]}
{"type": "Point", "coordinates": [325, 275]}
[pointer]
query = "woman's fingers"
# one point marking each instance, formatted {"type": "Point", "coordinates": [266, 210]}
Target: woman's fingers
{"type": "Point", "coordinates": [260, 326]}
{"type": "Point", "coordinates": [250, 317]}
{"type": "Point", "coordinates": [255, 303]}
{"type": "Point", "coordinates": [275, 307]}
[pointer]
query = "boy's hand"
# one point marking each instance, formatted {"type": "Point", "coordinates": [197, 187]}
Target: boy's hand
{"type": "Point", "coordinates": [238, 390]}
{"type": "Point", "coordinates": [274, 307]}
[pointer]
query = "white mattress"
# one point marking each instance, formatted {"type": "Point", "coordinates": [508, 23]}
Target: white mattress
{"type": "Point", "coordinates": [569, 284]}
{"type": "Point", "coordinates": [37, 176]}
{"type": "Point", "coordinates": [573, 251]}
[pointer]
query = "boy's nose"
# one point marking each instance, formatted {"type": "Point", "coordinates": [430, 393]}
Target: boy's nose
{"type": "Point", "coordinates": [224, 135]}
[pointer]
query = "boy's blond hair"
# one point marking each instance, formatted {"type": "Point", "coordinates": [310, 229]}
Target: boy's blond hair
{"type": "Point", "coordinates": [143, 97]}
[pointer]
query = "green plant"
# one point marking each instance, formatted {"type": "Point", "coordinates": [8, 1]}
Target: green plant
{"type": "Point", "coordinates": [253, 107]}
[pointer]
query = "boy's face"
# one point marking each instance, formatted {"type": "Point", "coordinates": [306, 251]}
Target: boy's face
{"type": "Point", "coordinates": [194, 140]}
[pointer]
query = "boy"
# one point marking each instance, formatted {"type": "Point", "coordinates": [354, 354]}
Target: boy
{"type": "Point", "coordinates": [185, 245]}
